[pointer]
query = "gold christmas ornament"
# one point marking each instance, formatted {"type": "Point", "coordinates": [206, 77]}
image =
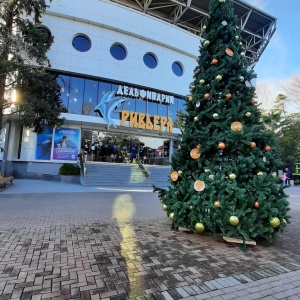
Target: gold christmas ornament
{"type": "Point", "coordinates": [190, 99]}
{"type": "Point", "coordinates": [199, 185]}
{"type": "Point", "coordinates": [219, 77]}
{"type": "Point", "coordinates": [217, 204]}
{"type": "Point", "coordinates": [174, 176]}
{"type": "Point", "coordinates": [179, 148]}
{"type": "Point", "coordinates": [236, 126]}
{"type": "Point", "coordinates": [199, 227]}
{"type": "Point", "coordinates": [256, 204]}
{"type": "Point", "coordinates": [172, 216]}
{"type": "Point", "coordinates": [207, 95]}
{"type": "Point", "coordinates": [274, 222]}
{"type": "Point", "coordinates": [221, 146]}
{"type": "Point", "coordinates": [252, 102]}
{"type": "Point", "coordinates": [267, 148]}
{"type": "Point", "coordinates": [194, 153]}
{"type": "Point", "coordinates": [214, 61]}
{"type": "Point", "coordinates": [232, 176]}
{"type": "Point", "coordinates": [234, 220]}
{"type": "Point", "coordinates": [229, 52]}
{"type": "Point", "coordinates": [165, 207]}
{"type": "Point", "coordinates": [252, 145]}
{"type": "Point", "coordinates": [228, 96]}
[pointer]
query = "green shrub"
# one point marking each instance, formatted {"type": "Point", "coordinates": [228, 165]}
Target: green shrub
{"type": "Point", "coordinates": [69, 169]}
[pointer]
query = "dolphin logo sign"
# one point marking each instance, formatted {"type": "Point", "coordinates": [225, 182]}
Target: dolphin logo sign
{"type": "Point", "coordinates": [107, 104]}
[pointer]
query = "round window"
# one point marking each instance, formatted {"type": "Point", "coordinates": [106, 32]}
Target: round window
{"type": "Point", "coordinates": [81, 43]}
{"type": "Point", "coordinates": [177, 69]}
{"type": "Point", "coordinates": [118, 51]}
{"type": "Point", "coordinates": [150, 60]}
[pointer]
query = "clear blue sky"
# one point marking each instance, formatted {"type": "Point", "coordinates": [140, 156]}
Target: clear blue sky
{"type": "Point", "coordinates": [280, 60]}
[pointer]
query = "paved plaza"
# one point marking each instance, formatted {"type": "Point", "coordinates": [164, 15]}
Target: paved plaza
{"type": "Point", "coordinates": [66, 241]}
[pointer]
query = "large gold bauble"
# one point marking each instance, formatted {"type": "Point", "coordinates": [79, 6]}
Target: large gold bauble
{"type": "Point", "coordinates": [199, 227]}
{"type": "Point", "coordinates": [165, 207]}
{"type": "Point", "coordinates": [172, 216]}
{"type": "Point", "coordinates": [274, 222]}
{"type": "Point", "coordinates": [234, 220]}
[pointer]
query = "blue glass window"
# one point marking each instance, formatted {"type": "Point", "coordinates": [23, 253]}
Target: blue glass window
{"type": "Point", "coordinates": [90, 97]}
{"type": "Point", "coordinates": [173, 109]}
{"type": "Point", "coordinates": [76, 95]}
{"type": "Point", "coordinates": [64, 83]}
{"type": "Point", "coordinates": [152, 108]}
{"type": "Point", "coordinates": [150, 60]}
{"type": "Point", "coordinates": [81, 43]}
{"type": "Point", "coordinates": [118, 51]}
{"type": "Point", "coordinates": [177, 69]}
{"type": "Point", "coordinates": [181, 105]}
{"type": "Point", "coordinates": [162, 110]}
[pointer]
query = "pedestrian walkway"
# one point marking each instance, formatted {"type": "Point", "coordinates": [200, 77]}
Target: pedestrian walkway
{"type": "Point", "coordinates": [28, 186]}
{"type": "Point", "coordinates": [65, 241]}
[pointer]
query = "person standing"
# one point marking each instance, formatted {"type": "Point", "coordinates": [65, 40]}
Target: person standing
{"type": "Point", "coordinates": [284, 178]}
{"type": "Point", "coordinates": [288, 175]}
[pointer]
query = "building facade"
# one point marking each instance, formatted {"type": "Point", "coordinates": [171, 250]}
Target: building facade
{"type": "Point", "coordinates": [124, 74]}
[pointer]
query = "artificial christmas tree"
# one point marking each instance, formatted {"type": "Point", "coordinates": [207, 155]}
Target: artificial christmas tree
{"type": "Point", "coordinates": [223, 177]}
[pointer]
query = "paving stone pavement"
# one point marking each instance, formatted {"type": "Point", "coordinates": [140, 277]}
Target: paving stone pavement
{"type": "Point", "coordinates": [120, 246]}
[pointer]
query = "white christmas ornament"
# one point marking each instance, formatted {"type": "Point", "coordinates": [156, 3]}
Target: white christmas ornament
{"type": "Point", "coordinates": [202, 81]}
{"type": "Point", "coordinates": [206, 170]}
{"type": "Point", "coordinates": [274, 174]}
{"type": "Point", "coordinates": [219, 77]}
{"type": "Point", "coordinates": [207, 42]}
{"type": "Point", "coordinates": [211, 177]}
{"type": "Point", "coordinates": [248, 114]}
{"type": "Point", "coordinates": [242, 54]}
{"type": "Point", "coordinates": [237, 37]}
{"type": "Point", "coordinates": [221, 1]}
{"type": "Point", "coordinates": [215, 116]}
{"type": "Point", "coordinates": [224, 23]}
{"type": "Point", "coordinates": [195, 118]}
{"type": "Point", "coordinates": [179, 172]}
{"type": "Point", "coordinates": [198, 104]}
{"type": "Point", "coordinates": [260, 174]}
{"type": "Point", "coordinates": [204, 27]}
{"type": "Point", "coordinates": [242, 78]}
{"type": "Point", "coordinates": [232, 176]}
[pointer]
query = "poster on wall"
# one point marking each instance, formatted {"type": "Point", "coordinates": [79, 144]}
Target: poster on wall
{"type": "Point", "coordinates": [66, 141]}
{"type": "Point", "coordinates": [44, 144]}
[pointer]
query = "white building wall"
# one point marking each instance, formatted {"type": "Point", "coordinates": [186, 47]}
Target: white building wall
{"type": "Point", "coordinates": [106, 23]}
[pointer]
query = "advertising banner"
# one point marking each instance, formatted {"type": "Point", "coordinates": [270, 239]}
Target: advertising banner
{"type": "Point", "coordinates": [66, 144]}
{"type": "Point", "coordinates": [44, 144]}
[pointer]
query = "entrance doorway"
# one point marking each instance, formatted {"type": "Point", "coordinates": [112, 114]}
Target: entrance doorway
{"type": "Point", "coordinates": [104, 146]}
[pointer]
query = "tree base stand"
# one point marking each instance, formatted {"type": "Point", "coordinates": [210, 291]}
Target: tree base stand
{"type": "Point", "coordinates": [239, 241]}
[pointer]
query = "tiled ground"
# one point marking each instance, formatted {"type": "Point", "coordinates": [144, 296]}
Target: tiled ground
{"type": "Point", "coordinates": [120, 246]}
